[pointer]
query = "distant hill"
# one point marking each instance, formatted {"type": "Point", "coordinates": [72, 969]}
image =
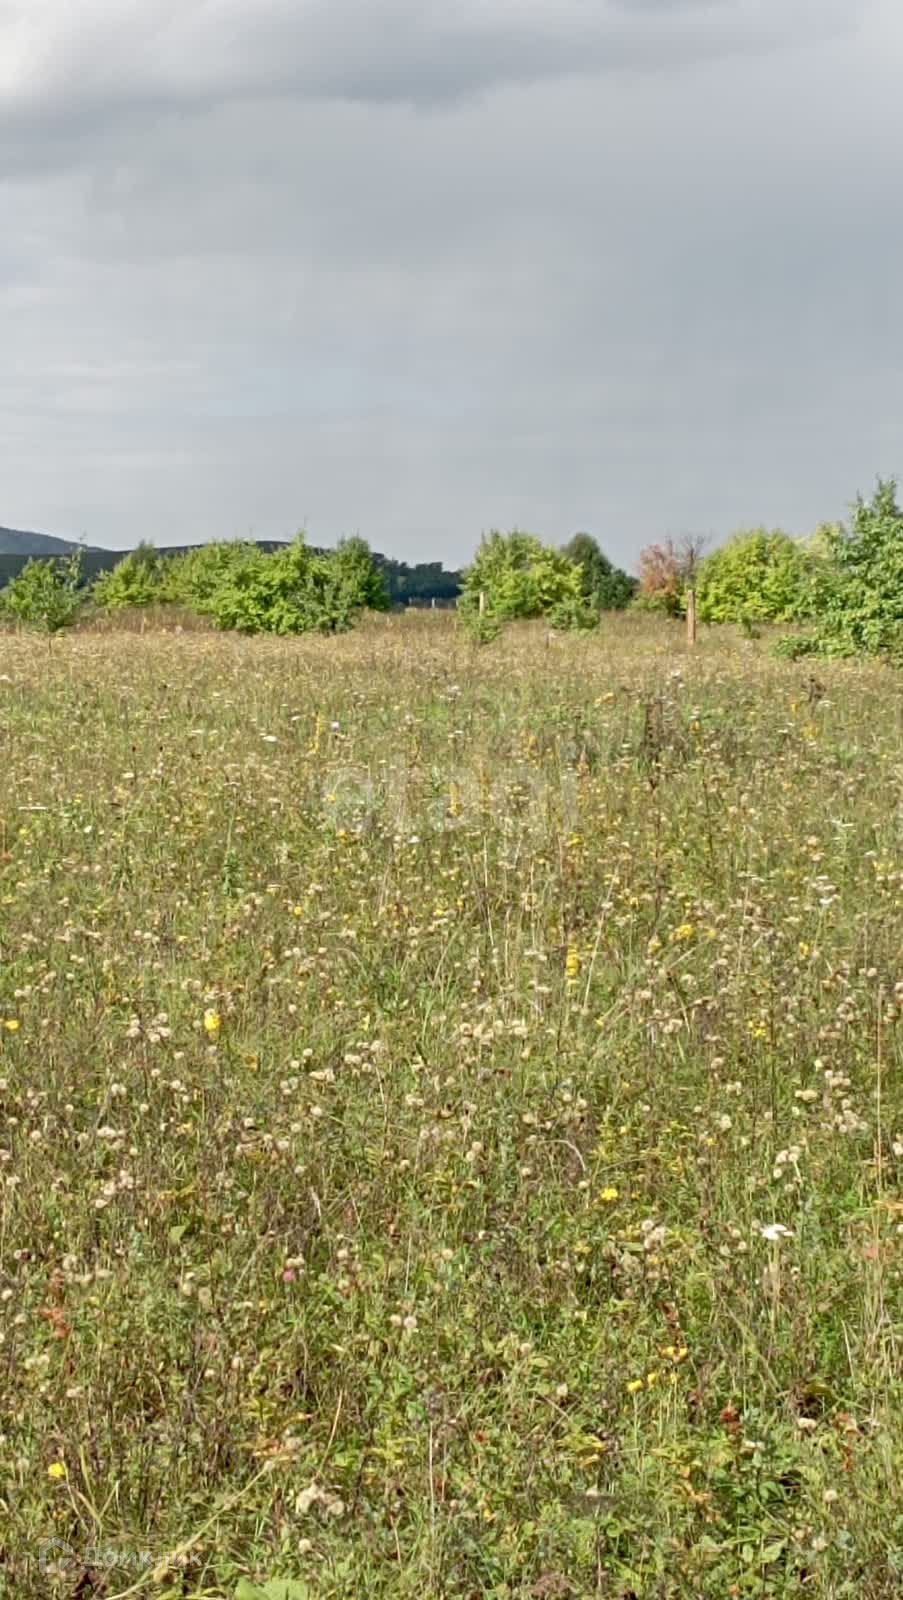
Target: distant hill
{"type": "Point", "coordinates": [13, 542]}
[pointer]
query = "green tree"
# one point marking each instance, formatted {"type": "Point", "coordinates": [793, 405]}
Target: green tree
{"type": "Point", "coordinates": [295, 590]}
{"type": "Point", "coordinates": [860, 596]}
{"type": "Point", "coordinates": [522, 577]}
{"type": "Point", "coordinates": [46, 594]}
{"type": "Point", "coordinates": [366, 583]}
{"type": "Point", "coordinates": [604, 586]}
{"type": "Point", "coordinates": [136, 580]}
{"type": "Point", "coordinates": [195, 576]}
{"type": "Point", "coordinates": [756, 577]}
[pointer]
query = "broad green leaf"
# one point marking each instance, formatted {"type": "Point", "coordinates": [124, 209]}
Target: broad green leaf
{"type": "Point", "coordinates": [276, 1589]}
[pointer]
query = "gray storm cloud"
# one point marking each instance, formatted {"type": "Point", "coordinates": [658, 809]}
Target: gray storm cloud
{"type": "Point", "coordinates": [418, 269]}
{"type": "Point", "coordinates": [57, 57]}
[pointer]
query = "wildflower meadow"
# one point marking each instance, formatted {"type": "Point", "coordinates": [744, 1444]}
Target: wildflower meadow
{"type": "Point", "coordinates": [450, 1115]}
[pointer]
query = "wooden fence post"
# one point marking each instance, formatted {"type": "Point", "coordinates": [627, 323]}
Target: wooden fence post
{"type": "Point", "coordinates": [691, 616]}
{"type": "Point", "coordinates": [482, 603]}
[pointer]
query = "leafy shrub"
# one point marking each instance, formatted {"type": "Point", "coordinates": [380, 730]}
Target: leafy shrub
{"type": "Point", "coordinates": [819, 544]}
{"type": "Point", "coordinates": [239, 585]}
{"type": "Point", "coordinates": [793, 646]}
{"type": "Point", "coordinates": [604, 586]}
{"type": "Point", "coordinates": [520, 577]}
{"type": "Point", "coordinates": [860, 593]}
{"type": "Point", "coordinates": [295, 590]}
{"type": "Point", "coordinates": [756, 577]}
{"type": "Point", "coordinates": [665, 570]}
{"type": "Point", "coordinates": [46, 594]}
{"type": "Point", "coordinates": [136, 580]}
{"type": "Point", "coordinates": [365, 582]}
{"type": "Point", "coordinates": [193, 578]}
{"type": "Point", "coordinates": [573, 616]}
{"type": "Point", "coordinates": [480, 628]}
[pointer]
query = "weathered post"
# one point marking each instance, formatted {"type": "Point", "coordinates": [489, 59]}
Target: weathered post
{"type": "Point", "coordinates": [482, 603]}
{"type": "Point", "coordinates": [691, 616]}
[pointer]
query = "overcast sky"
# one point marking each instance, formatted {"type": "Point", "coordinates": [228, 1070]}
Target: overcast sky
{"type": "Point", "coordinates": [419, 268]}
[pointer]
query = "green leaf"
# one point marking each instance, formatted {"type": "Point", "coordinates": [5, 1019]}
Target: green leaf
{"type": "Point", "coordinates": [772, 1552]}
{"type": "Point", "coordinates": [276, 1589]}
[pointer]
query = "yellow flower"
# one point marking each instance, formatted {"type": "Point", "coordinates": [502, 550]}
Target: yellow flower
{"type": "Point", "coordinates": [56, 1470]}
{"type": "Point", "coordinates": [572, 962]}
{"type": "Point", "coordinates": [212, 1022]}
{"type": "Point", "coordinates": [634, 1386]}
{"type": "Point", "coordinates": [675, 1352]}
{"type": "Point", "coordinates": [607, 1196]}
{"type": "Point", "coordinates": [11, 1025]}
{"type": "Point", "coordinates": [804, 948]}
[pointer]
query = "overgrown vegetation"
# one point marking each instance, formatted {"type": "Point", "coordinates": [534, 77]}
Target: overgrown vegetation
{"type": "Point", "coordinates": [45, 595]}
{"type": "Point", "coordinates": [604, 586]}
{"type": "Point", "coordinates": [295, 590]}
{"type": "Point", "coordinates": [423, 583]}
{"type": "Point", "coordinates": [666, 572]}
{"type": "Point", "coordinates": [450, 1117]}
{"type": "Point", "coordinates": [757, 577]}
{"type": "Point", "coordinates": [520, 577]}
{"type": "Point", "coordinates": [242, 587]}
{"type": "Point", "coordinates": [139, 579]}
{"type": "Point", "coordinates": [860, 600]}
{"type": "Point", "coordinates": [846, 581]}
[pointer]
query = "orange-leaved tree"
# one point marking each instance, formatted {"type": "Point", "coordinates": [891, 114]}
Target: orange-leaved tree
{"type": "Point", "coordinates": [667, 570]}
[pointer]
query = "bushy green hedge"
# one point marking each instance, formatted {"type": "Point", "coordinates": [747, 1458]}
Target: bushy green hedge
{"type": "Point", "coordinates": [193, 578]}
{"type": "Point", "coordinates": [861, 596]}
{"type": "Point", "coordinates": [294, 591]}
{"type": "Point", "coordinates": [756, 577]}
{"type": "Point", "coordinates": [360, 573]}
{"type": "Point", "coordinates": [858, 592]}
{"type": "Point", "coordinates": [46, 594]}
{"type": "Point", "coordinates": [136, 580]}
{"type": "Point", "coordinates": [241, 586]}
{"type": "Point", "coordinates": [522, 577]}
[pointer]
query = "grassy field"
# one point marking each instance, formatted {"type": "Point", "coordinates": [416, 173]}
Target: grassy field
{"type": "Point", "coordinates": [450, 1117]}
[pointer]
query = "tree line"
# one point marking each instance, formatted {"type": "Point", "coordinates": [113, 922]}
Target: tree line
{"type": "Point", "coordinates": [842, 587]}
{"type": "Point", "coordinates": [417, 583]}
